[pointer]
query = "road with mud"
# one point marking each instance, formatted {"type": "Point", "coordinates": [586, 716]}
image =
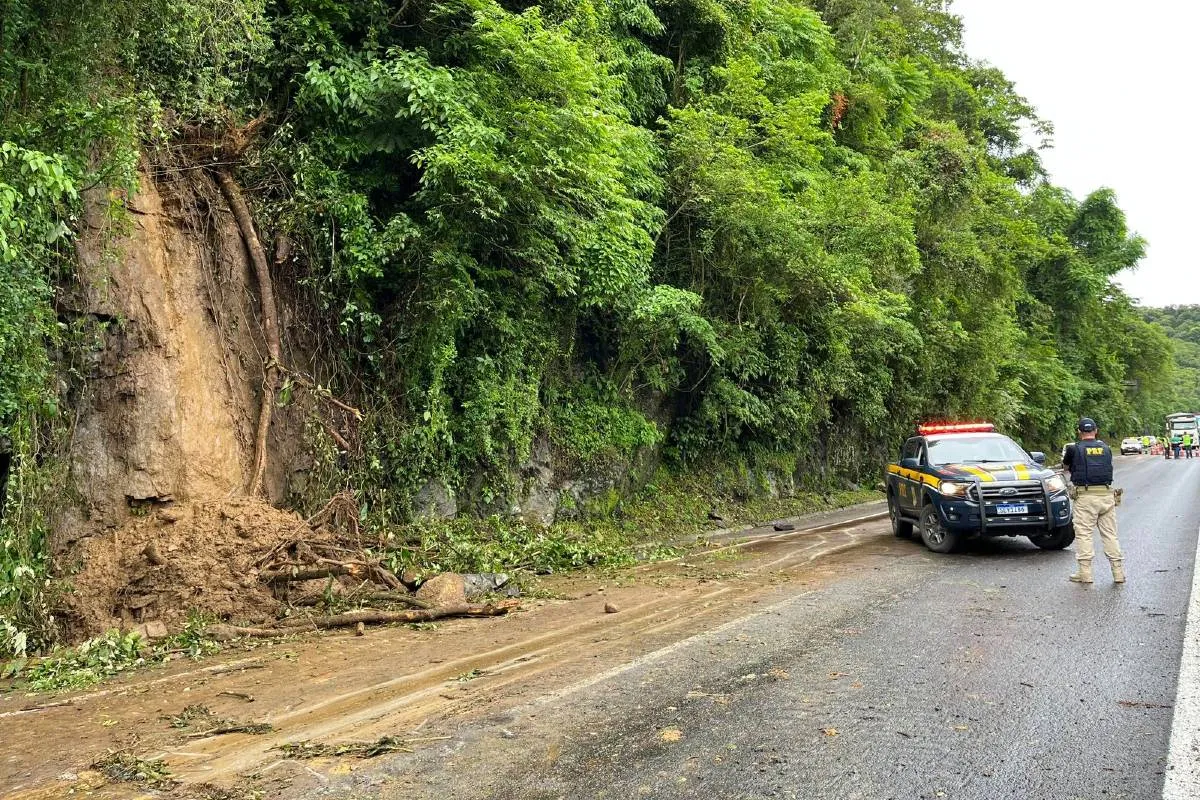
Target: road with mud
{"type": "Point", "coordinates": [837, 663]}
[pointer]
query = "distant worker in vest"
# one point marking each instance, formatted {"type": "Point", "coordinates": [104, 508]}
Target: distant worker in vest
{"type": "Point", "coordinates": [1175, 446]}
{"type": "Point", "coordinates": [1187, 444]}
{"type": "Point", "coordinates": [1090, 463]}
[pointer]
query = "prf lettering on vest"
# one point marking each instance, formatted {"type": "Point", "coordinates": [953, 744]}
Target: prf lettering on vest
{"type": "Point", "coordinates": [1095, 451]}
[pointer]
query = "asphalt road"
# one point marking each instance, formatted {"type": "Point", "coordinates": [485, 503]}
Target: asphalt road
{"type": "Point", "coordinates": [981, 675]}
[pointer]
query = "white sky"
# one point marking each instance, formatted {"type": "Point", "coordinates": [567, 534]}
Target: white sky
{"type": "Point", "coordinates": [1119, 82]}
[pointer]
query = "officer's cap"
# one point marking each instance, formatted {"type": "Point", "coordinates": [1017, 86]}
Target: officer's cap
{"type": "Point", "coordinates": [1087, 425]}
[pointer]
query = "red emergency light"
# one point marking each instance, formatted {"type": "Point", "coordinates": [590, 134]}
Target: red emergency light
{"type": "Point", "coordinates": [955, 427]}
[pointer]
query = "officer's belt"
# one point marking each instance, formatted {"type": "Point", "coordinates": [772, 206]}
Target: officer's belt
{"type": "Point", "coordinates": [1099, 488]}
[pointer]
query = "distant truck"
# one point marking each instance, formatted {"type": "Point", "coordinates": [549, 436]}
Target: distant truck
{"type": "Point", "coordinates": [1181, 424]}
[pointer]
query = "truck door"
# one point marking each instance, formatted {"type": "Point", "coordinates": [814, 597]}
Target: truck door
{"type": "Point", "coordinates": [910, 488]}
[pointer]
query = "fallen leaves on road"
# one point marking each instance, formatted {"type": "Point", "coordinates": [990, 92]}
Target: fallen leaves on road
{"type": "Point", "coordinates": [203, 723]}
{"type": "Point", "coordinates": [830, 731]}
{"type": "Point", "coordinates": [123, 765]}
{"type": "Point", "coordinates": [779, 674]}
{"type": "Point", "coordinates": [670, 734]}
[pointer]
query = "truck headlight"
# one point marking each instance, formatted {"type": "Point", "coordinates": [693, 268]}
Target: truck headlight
{"type": "Point", "coordinates": [1056, 484]}
{"type": "Point", "coordinates": [954, 488]}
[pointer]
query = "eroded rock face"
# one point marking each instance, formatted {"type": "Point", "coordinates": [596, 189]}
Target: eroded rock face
{"type": "Point", "coordinates": [434, 501]}
{"type": "Point", "coordinates": [167, 410]}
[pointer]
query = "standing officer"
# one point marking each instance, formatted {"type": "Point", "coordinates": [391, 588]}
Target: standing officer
{"type": "Point", "coordinates": [1090, 462]}
{"type": "Point", "coordinates": [1187, 444]}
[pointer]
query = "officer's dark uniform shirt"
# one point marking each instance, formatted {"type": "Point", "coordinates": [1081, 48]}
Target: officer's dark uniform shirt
{"type": "Point", "coordinates": [1090, 463]}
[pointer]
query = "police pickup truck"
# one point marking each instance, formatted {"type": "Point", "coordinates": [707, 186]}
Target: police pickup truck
{"type": "Point", "coordinates": [961, 481]}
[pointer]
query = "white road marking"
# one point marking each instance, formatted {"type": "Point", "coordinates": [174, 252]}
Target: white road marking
{"type": "Point", "coordinates": [1183, 757]}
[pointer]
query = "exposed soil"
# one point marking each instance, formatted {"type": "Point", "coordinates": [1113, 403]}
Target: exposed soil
{"type": "Point", "coordinates": [417, 684]}
{"type": "Point", "coordinates": [184, 556]}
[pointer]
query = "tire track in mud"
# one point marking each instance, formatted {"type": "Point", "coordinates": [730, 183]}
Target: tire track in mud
{"type": "Point", "coordinates": [532, 666]}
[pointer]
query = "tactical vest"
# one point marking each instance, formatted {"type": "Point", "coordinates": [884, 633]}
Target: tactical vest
{"type": "Point", "coordinates": [1092, 464]}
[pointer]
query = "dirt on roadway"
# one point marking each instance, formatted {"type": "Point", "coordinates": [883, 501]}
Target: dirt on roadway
{"type": "Point", "coordinates": [413, 683]}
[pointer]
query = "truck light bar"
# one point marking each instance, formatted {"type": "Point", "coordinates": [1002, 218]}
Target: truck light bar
{"type": "Point", "coordinates": [959, 427]}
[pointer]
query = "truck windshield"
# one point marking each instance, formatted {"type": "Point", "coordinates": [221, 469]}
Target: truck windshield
{"type": "Point", "coordinates": [1183, 424]}
{"type": "Point", "coordinates": [975, 449]}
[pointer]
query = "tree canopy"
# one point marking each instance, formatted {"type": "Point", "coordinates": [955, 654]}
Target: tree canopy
{"type": "Point", "coordinates": [775, 230]}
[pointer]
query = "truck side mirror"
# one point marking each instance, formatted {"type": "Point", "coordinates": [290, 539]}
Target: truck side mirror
{"type": "Point", "coordinates": [910, 463]}
{"type": "Point", "coordinates": [1038, 457]}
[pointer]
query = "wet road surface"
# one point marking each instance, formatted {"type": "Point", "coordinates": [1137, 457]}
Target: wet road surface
{"type": "Point", "coordinates": [984, 674]}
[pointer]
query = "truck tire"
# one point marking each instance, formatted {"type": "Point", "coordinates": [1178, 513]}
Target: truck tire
{"type": "Point", "coordinates": [1059, 540]}
{"type": "Point", "coordinates": [935, 535]}
{"type": "Point", "coordinates": [901, 528]}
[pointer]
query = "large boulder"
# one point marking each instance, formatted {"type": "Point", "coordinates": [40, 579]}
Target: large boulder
{"type": "Point", "coordinates": [447, 589]}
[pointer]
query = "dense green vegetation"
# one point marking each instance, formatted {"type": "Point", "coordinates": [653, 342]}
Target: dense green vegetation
{"type": "Point", "coordinates": [754, 233]}
{"type": "Point", "coordinates": [1182, 324]}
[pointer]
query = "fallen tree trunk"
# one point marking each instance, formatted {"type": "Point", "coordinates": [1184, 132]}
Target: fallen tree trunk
{"type": "Point", "coordinates": [312, 573]}
{"type": "Point", "coordinates": [370, 597]}
{"type": "Point", "coordinates": [352, 618]}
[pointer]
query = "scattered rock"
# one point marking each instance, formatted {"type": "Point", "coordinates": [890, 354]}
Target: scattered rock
{"type": "Point", "coordinates": [447, 589]}
{"type": "Point", "coordinates": [152, 630]}
{"type": "Point", "coordinates": [609, 608]}
{"type": "Point", "coordinates": [783, 526]}
{"type": "Point", "coordinates": [360, 629]}
{"type": "Point", "coordinates": [150, 551]}
{"type": "Point", "coordinates": [170, 514]}
{"type": "Point", "coordinates": [715, 516]}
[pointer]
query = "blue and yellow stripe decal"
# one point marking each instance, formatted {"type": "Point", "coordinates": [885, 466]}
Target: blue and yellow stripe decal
{"type": "Point", "coordinates": [914, 475]}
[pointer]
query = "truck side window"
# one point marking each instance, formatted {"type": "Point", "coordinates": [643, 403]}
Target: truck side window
{"type": "Point", "coordinates": [912, 449]}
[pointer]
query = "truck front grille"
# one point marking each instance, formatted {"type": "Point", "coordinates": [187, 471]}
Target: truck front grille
{"type": "Point", "coordinates": [1008, 494]}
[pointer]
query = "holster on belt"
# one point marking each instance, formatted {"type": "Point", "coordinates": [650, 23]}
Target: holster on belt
{"type": "Point", "coordinates": [1117, 495]}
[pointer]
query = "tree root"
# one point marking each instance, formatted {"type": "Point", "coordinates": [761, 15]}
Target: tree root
{"type": "Point", "coordinates": [270, 315]}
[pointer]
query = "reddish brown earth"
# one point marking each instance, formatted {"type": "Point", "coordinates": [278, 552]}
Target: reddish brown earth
{"type": "Point", "coordinates": [204, 557]}
{"type": "Point", "coordinates": [402, 681]}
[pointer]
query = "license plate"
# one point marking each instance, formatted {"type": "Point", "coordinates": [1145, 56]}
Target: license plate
{"type": "Point", "coordinates": [1012, 508]}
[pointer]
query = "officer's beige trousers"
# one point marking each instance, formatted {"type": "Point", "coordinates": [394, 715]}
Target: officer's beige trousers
{"type": "Point", "coordinates": [1092, 510]}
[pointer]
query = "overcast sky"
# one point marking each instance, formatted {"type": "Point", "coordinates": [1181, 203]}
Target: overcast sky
{"type": "Point", "coordinates": [1119, 82]}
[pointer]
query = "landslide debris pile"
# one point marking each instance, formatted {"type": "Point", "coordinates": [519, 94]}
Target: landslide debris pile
{"type": "Point", "coordinates": [241, 561]}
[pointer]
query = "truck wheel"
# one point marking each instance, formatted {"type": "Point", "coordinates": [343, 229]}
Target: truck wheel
{"type": "Point", "coordinates": [1060, 539]}
{"type": "Point", "coordinates": [935, 535]}
{"type": "Point", "coordinates": [900, 528]}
